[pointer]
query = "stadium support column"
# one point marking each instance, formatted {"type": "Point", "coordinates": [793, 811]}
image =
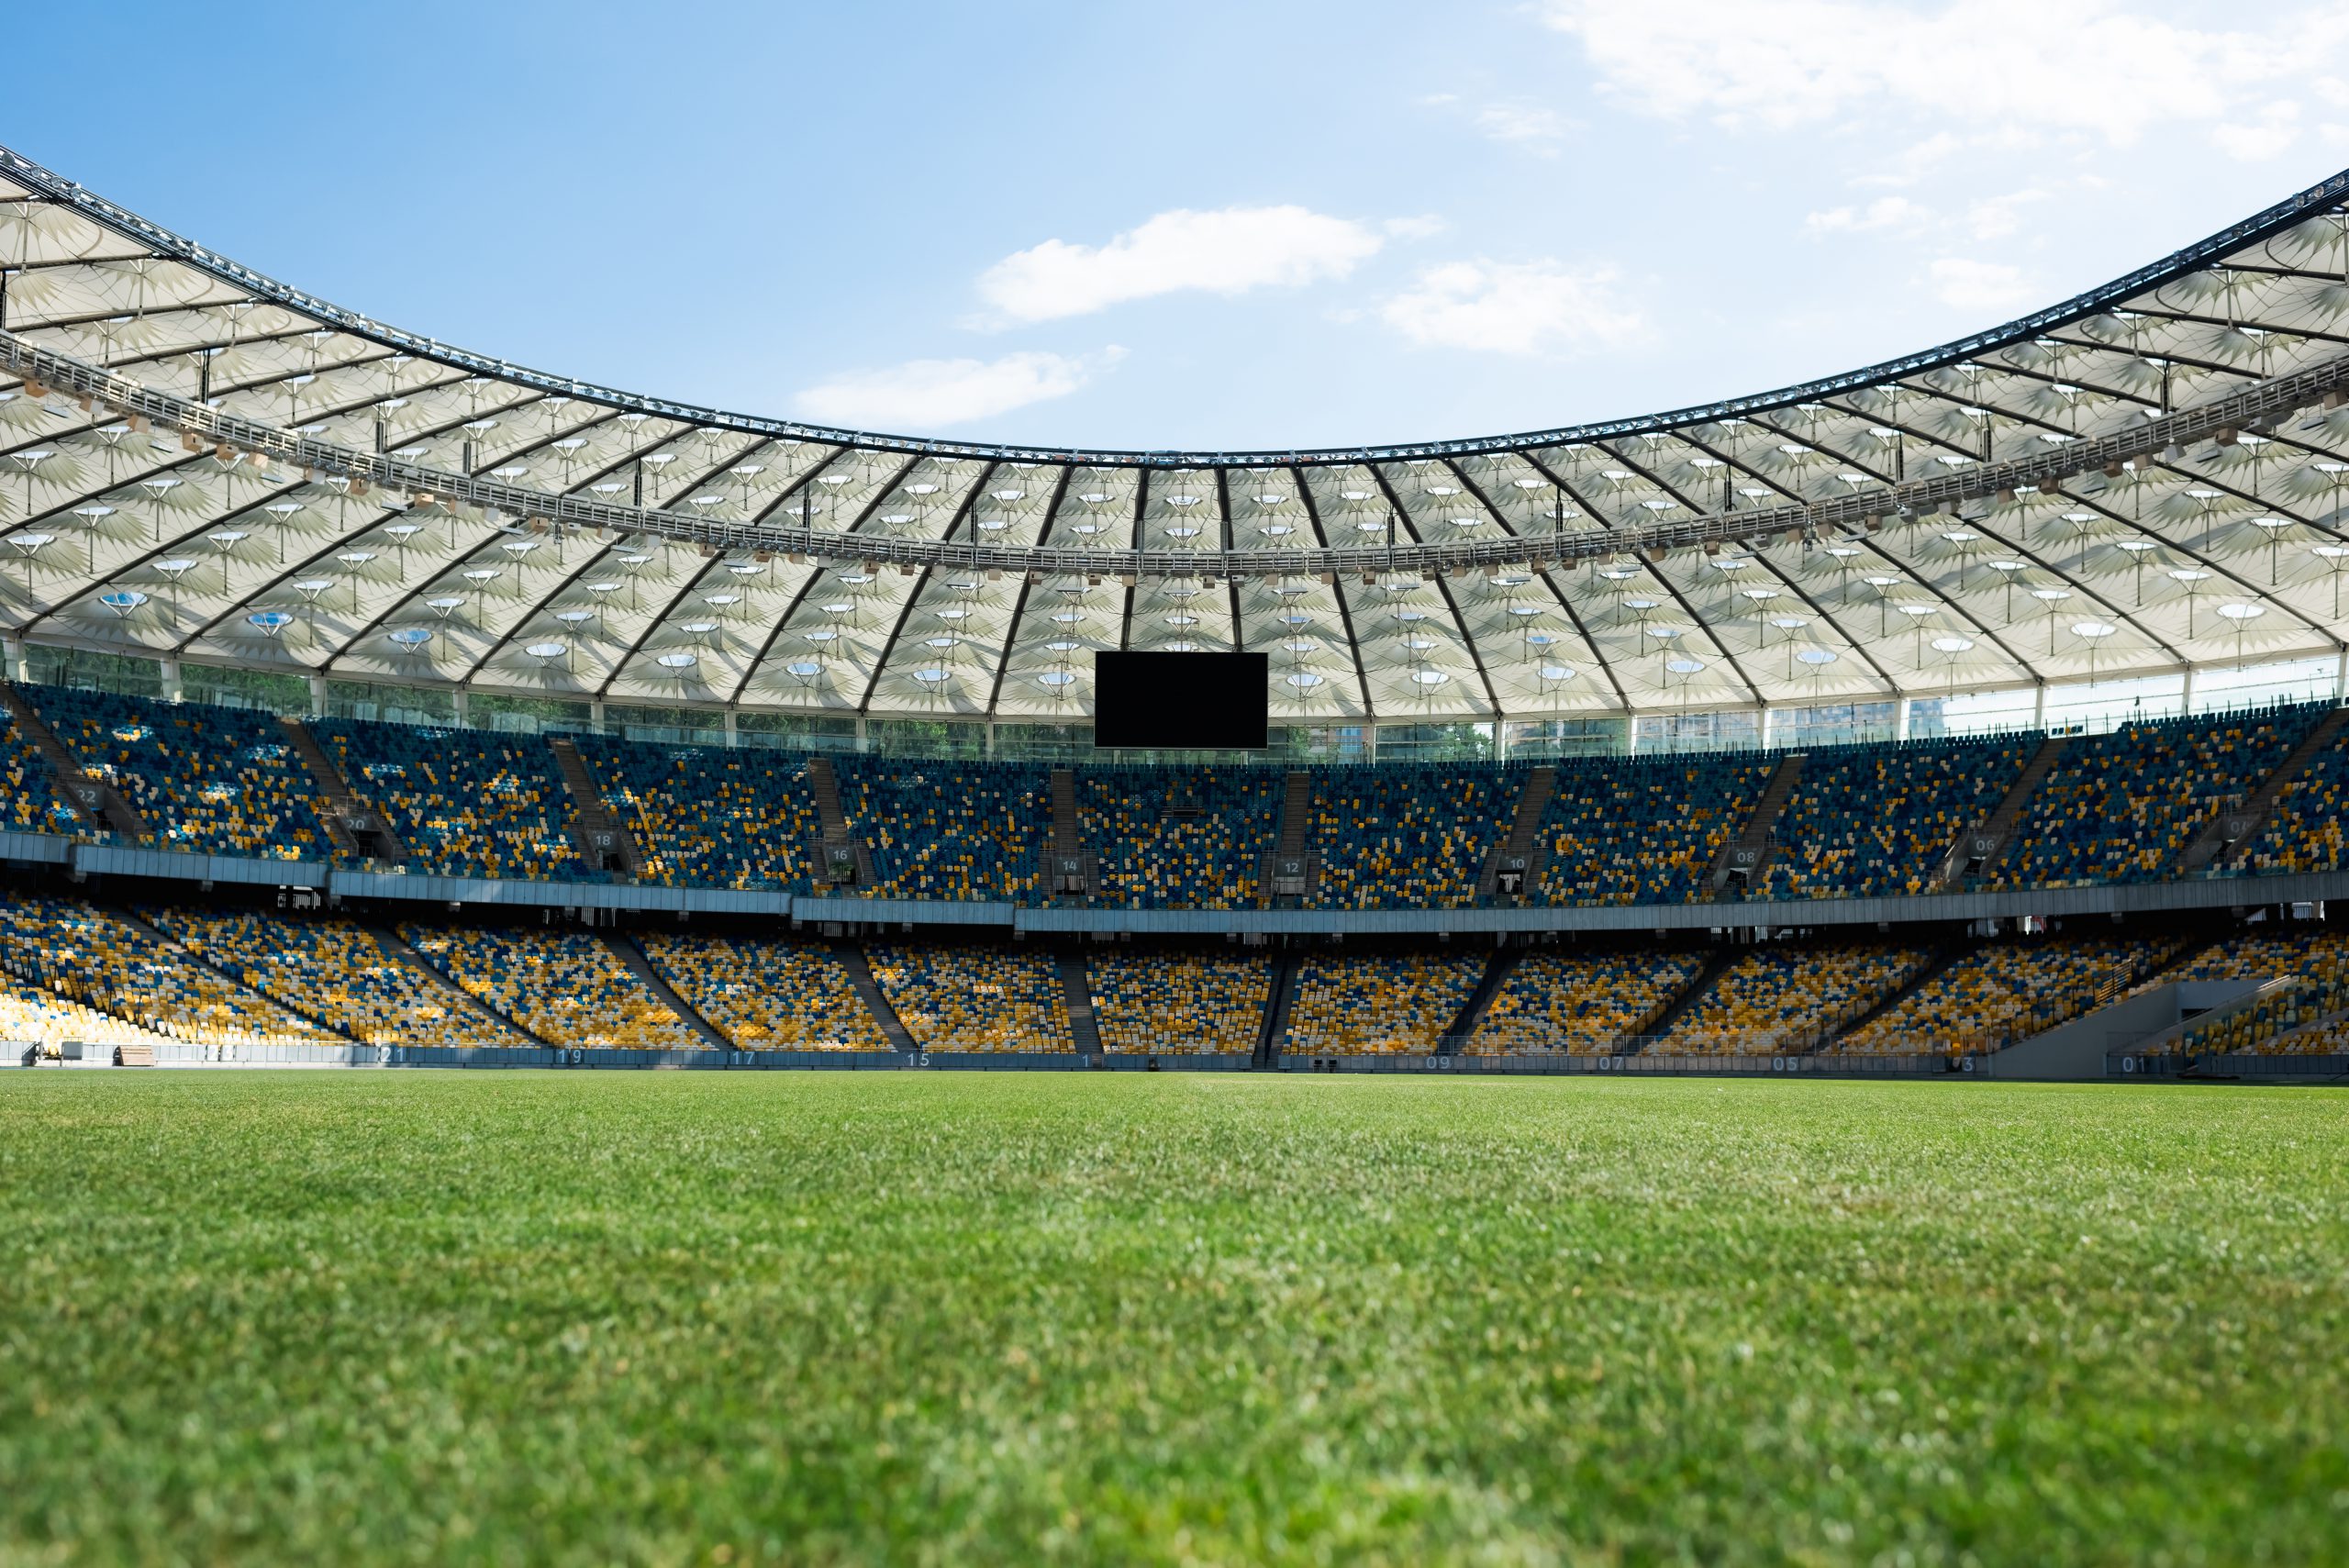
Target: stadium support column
{"type": "Point", "coordinates": [595, 716]}
{"type": "Point", "coordinates": [317, 695]}
{"type": "Point", "coordinates": [2039, 706]}
{"type": "Point", "coordinates": [729, 730]}
{"type": "Point", "coordinates": [1765, 723]}
{"type": "Point", "coordinates": [461, 708]}
{"type": "Point", "coordinates": [2339, 673]}
{"type": "Point", "coordinates": [2186, 694]}
{"type": "Point", "coordinates": [12, 651]}
{"type": "Point", "coordinates": [171, 686]}
{"type": "Point", "coordinates": [1900, 718]}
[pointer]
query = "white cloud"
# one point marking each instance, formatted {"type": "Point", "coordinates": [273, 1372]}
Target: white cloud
{"type": "Point", "coordinates": [1513, 308]}
{"type": "Point", "coordinates": [1995, 217]}
{"type": "Point", "coordinates": [1426, 226]}
{"type": "Point", "coordinates": [2275, 128]}
{"type": "Point", "coordinates": [1227, 251]}
{"type": "Point", "coordinates": [1525, 124]}
{"type": "Point", "coordinates": [921, 394]}
{"type": "Point", "coordinates": [2082, 66]}
{"type": "Point", "coordinates": [1885, 212]}
{"type": "Point", "coordinates": [1980, 285]}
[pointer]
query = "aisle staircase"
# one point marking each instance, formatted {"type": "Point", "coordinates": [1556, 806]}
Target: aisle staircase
{"type": "Point", "coordinates": [1070, 868]}
{"type": "Point", "coordinates": [101, 806]}
{"type": "Point", "coordinates": [1294, 866]}
{"type": "Point", "coordinates": [396, 947]}
{"type": "Point", "coordinates": [1743, 858]}
{"type": "Point", "coordinates": [1659, 1023]}
{"type": "Point", "coordinates": [1077, 989]}
{"type": "Point", "coordinates": [1982, 846]}
{"type": "Point", "coordinates": [1940, 958]}
{"type": "Point", "coordinates": [839, 858]}
{"type": "Point", "coordinates": [605, 842]}
{"type": "Point", "coordinates": [1519, 855]}
{"type": "Point", "coordinates": [868, 991]}
{"type": "Point", "coordinates": [1463, 1029]}
{"type": "Point", "coordinates": [357, 831]}
{"type": "Point", "coordinates": [639, 964]}
{"type": "Point", "coordinates": [2232, 832]}
{"type": "Point", "coordinates": [1280, 995]}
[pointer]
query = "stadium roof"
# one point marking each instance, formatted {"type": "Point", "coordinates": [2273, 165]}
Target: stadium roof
{"type": "Point", "coordinates": [199, 462]}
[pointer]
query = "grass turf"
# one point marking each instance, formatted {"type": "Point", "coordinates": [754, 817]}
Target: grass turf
{"type": "Point", "coordinates": [969, 1318]}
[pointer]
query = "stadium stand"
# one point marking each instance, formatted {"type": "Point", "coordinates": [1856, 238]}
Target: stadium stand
{"type": "Point", "coordinates": [216, 780]}
{"type": "Point", "coordinates": [1778, 999]}
{"type": "Point", "coordinates": [1170, 1001]}
{"type": "Point", "coordinates": [2005, 991]}
{"type": "Point", "coordinates": [1191, 837]}
{"type": "Point", "coordinates": [1867, 820]}
{"type": "Point", "coordinates": [1378, 1004]}
{"type": "Point", "coordinates": [1406, 836]}
{"type": "Point", "coordinates": [116, 965]}
{"type": "Point", "coordinates": [33, 1015]}
{"type": "Point", "coordinates": [767, 996]}
{"type": "Point", "coordinates": [2303, 832]}
{"type": "Point", "coordinates": [1646, 830]}
{"type": "Point", "coordinates": [975, 996]}
{"type": "Point", "coordinates": [707, 816]}
{"type": "Point", "coordinates": [333, 971]}
{"type": "Point", "coordinates": [465, 801]}
{"type": "Point", "coordinates": [962, 830]}
{"type": "Point", "coordinates": [1555, 1003]}
{"type": "Point", "coordinates": [28, 802]}
{"type": "Point", "coordinates": [2120, 807]}
{"type": "Point", "coordinates": [565, 986]}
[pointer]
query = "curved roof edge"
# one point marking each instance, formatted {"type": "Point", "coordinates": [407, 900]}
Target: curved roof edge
{"type": "Point", "coordinates": [2259, 225]}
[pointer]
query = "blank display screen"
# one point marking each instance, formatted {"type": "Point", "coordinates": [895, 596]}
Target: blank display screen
{"type": "Point", "coordinates": [1181, 702]}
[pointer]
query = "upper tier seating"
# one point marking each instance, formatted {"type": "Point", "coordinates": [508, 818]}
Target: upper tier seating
{"type": "Point", "coordinates": [335, 972]}
{"type": "Point", "coordinates": [1150, 1002]}
{"type": "Point", "coordinates": [767, 996]}
{"type": "Point", "coordinates": [1406, 836]}
{"type": "Point", "coordinates": [219, 780]}
{"type": "Point", "coordinates": [466, 802]}
{"type": "Point", "coordinates": [705, 816]}
{"type": "Point", "coordinates": [1182, 837]}
{"type": "Point", "coordinates": [1780, 998]}
{"type": "Point", "coordinates": [1645, 829]}
{"type": "Point", "coordinates": [1867, 820]}
{"type": "Point", "coordinates": [958, 997]}
{"type": "Point", "coordinates": [2121, 807]}
{"type": "Point", "coordinates": [2303, 829]}
{"type": "Point", "coordinates": [29, 800]}
{"type": "Point", "coordinates": [1558, 1002]}
{"type": "Point", "coordinates": [2004, 992]}
{"type": "Point", "coordinates": [565, 986]}
{"type": "Point", "coordinates": [963, 830]}
{"type": "Point", "coordinates": [1378, 1004]}
{"type": "Point", "coordinates": [115, 965]}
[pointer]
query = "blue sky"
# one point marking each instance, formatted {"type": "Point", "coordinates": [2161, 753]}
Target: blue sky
{"type": "Point", "coordinates": [1216, 226]}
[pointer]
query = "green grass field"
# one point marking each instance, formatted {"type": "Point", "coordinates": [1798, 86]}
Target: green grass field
{"type": "Point", "coordinates": [678, 1318]}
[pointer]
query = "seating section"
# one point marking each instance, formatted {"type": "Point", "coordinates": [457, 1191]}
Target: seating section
{"type": "Point", "coordinates": [335, 972]}
{"type": "Point", "coordinates": [1378, 1004]}
{"type": "Point", "coordinates": [1779, 999]}
{"type": "Point", "coordinates": [218, 780]}
{"type": "Point", "coordinates": [33, 1015]}
{"type": "Point", "coordinates": [2303, 829]}
{"type": "Point", "coordinates": [2006, 991]}
{"type": "Point", "coordinates": [975, 830]}
{"type": "Point", "coordinates": [1873, 820]}
{"type": "Point", "coordinates": [115, 965]}
{"type": "Point", "coordinates": [1182, 837]}
{"type": "Point", "coordinates": [972, 996]}
{"type": "Point", "coordinates": [2121, 807]}
{"type": "Point", "coordinates": [1177, 1003]}
{"type": "Point", "coordinates": [28, 800]}
{"type": "Point", "coordinates": [1557, 1003]}
{"type": "Point", "coordinates": [705, 816]}
{"type": "Point", "coordinates": [1406, 836]}
{"type": "Point", "coordinates": [563, 987]}
{"type": "Point", "coordinates": [1646, 830]}
{"type": "Point", "coordinates": [767, 996]}
{"type": "Point", "coordinates": [465, 801]}
{"type": "Point", "coordinates": [2311, 955]}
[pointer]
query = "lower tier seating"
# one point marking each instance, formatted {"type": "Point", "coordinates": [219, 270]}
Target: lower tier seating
{"type": "Point", "coordinates": [1561, 1003]}
{"type": "Point", "coordinates": [767, 996]}
{"type": "Point", "coordinates": [1378, 1004]}
{"type": "Point", "coordinates": [1775, 999]}
{"type": "Point", "coordinates": [1177, 1003]}
{"type": "Point", "coordinates": [113, 963]}
{"type": "Point", "coordinates": [972, 996]}
{"type": "Point", "coordinates": [335, 972]}
{"type": "Point", "coordinates": [563, 987]}
{"type": "Point", "coordinates": [2005, 991]}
